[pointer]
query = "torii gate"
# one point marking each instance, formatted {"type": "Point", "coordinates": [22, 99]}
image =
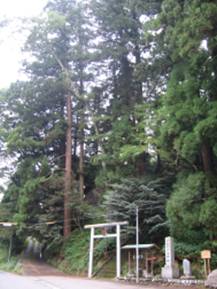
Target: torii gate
{"type": "Point", "coordinates": [9, 225]}
{"type": "Point", "coordinates": [117, 235]}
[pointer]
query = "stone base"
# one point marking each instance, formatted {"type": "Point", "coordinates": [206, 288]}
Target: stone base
{"type": "Point", "coordinates": [187, 277]}
{"type": "Point", "coordinates": [170, 272]}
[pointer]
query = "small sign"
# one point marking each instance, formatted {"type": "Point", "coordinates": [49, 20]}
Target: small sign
{"type": "Point", "coordinates": [206, 254]}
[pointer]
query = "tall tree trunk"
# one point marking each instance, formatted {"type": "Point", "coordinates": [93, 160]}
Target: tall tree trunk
{"type": "Point", "coordinates": [68, 169]}
{"type": "Point", "coordinates": [206, 158]}
{"type": "Point", "coordinates": [81, 170]}
{"type": "Point", "coordinates": [68, 150]}
{"type": "Point", "coordinates": [75, 144]}
{"type": "Point", "coordinates": [140, 164]}
{"type": "Point", "coordinates": [63, 140]}
{"type": "Point", "coordinates": [139, 92]}
{"type": "Point", "coordinates": [137, 54]}
{"type": "Point", "coordinates": [82, 121]}
{"type": "Point", "coordinates": [81, 64]}
{"type": "Point", "coordinates": [81, 157]}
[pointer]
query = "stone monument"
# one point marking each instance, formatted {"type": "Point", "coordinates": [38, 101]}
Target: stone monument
{"type": "Point", "coordinates": [187, 272]}
{"type": "Point", "coordinates": [170, 270]}
{"type": "Point", "coordinates": [186, 265]}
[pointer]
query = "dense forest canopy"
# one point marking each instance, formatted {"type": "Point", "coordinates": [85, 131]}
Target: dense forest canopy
{"type": "Point", "coordinates": [119, 110]}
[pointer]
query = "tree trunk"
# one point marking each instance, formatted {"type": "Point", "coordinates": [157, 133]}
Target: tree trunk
{"type": "Point", "coordinates": [206, 158]}
{"type": "Point", "coordinates": [68, 151]}
{"type": "Point", "coordinates": [81, 170]}
{"type": "Point", "coordinates": [81, 157]}
{"type": "Point", "coordinates": [68, 170]}
{"type": "Point", "coordinates": [140, 164]}
{"type": "Point", "coordinates": [75, 144]}
{"type": "Point", "coordinates": [137, 54]}
{"type": "Point", "coordinates": [158, 164]}
{"type": "Point", "coordinates": [82, 121]}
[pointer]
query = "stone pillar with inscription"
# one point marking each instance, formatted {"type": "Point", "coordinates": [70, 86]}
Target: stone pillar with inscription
{"type": "Point", "coordinates": [170, 270]}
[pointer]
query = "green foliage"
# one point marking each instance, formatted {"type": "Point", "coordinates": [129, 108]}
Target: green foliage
{"type": "Point", "coordinates": [188, 250]}
{"type": "Point", "coordinates": [186, 117]}
{"type": "Point", "coordinates": [149, 195]}
{"type": "Point", "coordinates": [84, 212]}
{"type": "Point", "coordinates": [33, 121]}
{"type": "Point", "coordinates": [187, 111]}
{"type": "Point", "coordinates": [208, 215]}
{"type": "Point", "coordinates": [131, 151]}
{"type": "Point", "coordinates": [142, 77]}
{"type": "Point", "coordinates": [75, 253]}
{"type": "Point", "coordinates": [190, 209]}
{"type": "Point", "coordinates": [13, 265]}
{"type": "Point", "coordinates": [192, 251]}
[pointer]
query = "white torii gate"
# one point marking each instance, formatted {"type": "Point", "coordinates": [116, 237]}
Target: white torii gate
{"type": "Point", "coordinates": [117, 235]}
{"type": "Point", "coordinates": [9, 225]}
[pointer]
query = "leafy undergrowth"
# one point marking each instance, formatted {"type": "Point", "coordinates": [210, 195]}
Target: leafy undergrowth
{"type": "Point", "coordinates": [108, 269]}
{"type": "Point", "coordinates": [13, 265]}
{"type": "Point", "coordinates": [74, 256]}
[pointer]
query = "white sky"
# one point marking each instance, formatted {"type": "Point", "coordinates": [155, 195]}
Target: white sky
{"type": "Point", "coordinates": [10, 40]}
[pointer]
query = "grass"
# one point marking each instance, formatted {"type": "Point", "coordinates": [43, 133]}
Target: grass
{"type": "Point", "coordinates": [74, 255]}
{"type": "Point", "coordinates": [12, 265]}
{"type": "Point", "coordinates": [73, 258]}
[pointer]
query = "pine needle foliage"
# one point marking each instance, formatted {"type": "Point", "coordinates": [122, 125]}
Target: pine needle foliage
{"type": "Point", "coordinates": [150, 196]}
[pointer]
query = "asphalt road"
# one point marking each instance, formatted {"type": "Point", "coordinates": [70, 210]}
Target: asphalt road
{"type": "Point", "coordinates": [11, 281]}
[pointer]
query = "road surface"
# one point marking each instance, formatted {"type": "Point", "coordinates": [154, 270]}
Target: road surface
{"type": "Point", "coordinates": [39, 275]}
{"type": "Point", "coordinates": [11, 281]}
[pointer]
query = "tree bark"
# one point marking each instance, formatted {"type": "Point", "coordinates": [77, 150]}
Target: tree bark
{"type": "Point", "coordinates": [137, 54]}
{"type": "Point", "coordinates": [206, 158]}
{"type": "Point", "coordinates": [81, 170]}
{"type": "Point", "coordinates": [82, 122]}
{"type": "Point", "coordinates": [68, 150]}
{"type": "Point", "coordinates": [140, 164]}
{"type": "Point", "coordinates": [81, 157]}
{"type": "Point", "coordinates": [68, 169]}
{"type": "Point", "coordinates": [75, 144]}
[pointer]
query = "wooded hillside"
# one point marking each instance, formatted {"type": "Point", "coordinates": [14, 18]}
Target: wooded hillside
{"type": "Point", "coordinates": [119, 109]}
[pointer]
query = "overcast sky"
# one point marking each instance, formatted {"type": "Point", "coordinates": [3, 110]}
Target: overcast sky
{"type": "Point", "coordinates": [11, 41]}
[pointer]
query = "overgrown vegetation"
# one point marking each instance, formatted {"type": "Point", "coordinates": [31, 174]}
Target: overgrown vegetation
{"type": "Point", "coordinates": [150, 196]}
{"type": "Point", "coordinates": [119, 109]}
{"type": "Point", "coordinates": [9, 265]}
{"type": "Point", "coordinates": [74, 254]}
